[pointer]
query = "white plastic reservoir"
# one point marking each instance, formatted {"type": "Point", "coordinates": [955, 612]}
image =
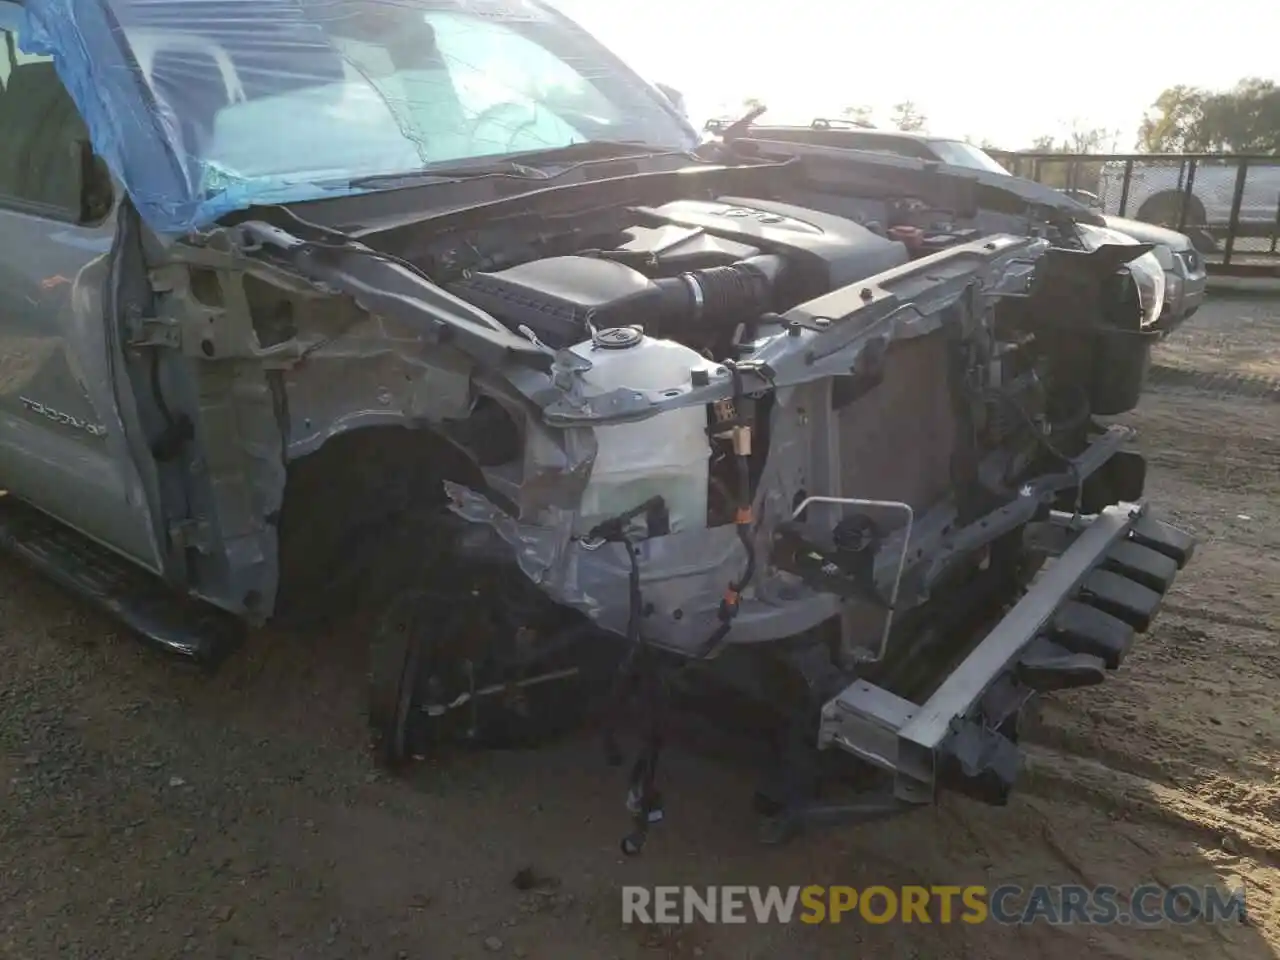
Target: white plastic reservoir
{"type": "Point", "coordinates": [667, 455]}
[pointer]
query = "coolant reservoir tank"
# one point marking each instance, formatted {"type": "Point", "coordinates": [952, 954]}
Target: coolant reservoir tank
{"type": "Point", "coordinates": [667, 455]}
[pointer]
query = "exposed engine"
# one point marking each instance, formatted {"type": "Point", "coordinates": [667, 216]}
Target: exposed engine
{"type": "Point", "coordinates": [694, 285]}
{"type": "Point", "coordinates": [689, 270]}
{"type": "Point", "coordinates": [686, 288]}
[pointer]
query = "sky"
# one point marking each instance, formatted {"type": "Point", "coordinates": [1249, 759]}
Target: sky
{"type": "Point", "coordinates": [993, 70]}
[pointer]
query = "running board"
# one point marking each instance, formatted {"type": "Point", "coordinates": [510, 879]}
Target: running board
{"type": "Point", "coordinates": [146, 605]}
{"type": "Point", "coordinates": [1075, 623]}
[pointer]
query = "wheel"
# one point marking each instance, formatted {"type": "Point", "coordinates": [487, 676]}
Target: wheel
{"type": "Point", "coordinates": [1203, 241]}
{"type": "Point", "coordinates": [425, 648]}
{"type": "Point", "coordinates": [494, 671]}
{"type": "Point", "coordinates": [1166, 209]}
{"type": "Point", "coordinates": [396, 655]}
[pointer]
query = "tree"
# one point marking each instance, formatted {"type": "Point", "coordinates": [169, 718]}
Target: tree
{"type": "Point", "coordinates": [1082, 139]}
{"type": "Point", "coordinates": [1078, 139]}
{"type": "Point", "coordinates": [906, 116]}
{"type": "Point", "coordinates": [859, 114]}
{"type": "Point", "coordinates": [1070, 172]}
{"type": "Point", "coordinates": [1244, 119]}
{"type": "Point", "coordinates": [1175, 122]}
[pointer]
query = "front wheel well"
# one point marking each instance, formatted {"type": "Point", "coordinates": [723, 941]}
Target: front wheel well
{"type": "Point", "coordinates": [343, 506]}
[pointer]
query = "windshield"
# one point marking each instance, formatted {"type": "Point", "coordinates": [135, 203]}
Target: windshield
{"type": "Point", "coordinates": [261, 100]}
{"type": "Point", "coordinates": [961, 154]}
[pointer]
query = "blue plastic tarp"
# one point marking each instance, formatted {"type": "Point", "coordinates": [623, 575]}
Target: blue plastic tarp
{"type": "Point", "coordinates": [204, 107]}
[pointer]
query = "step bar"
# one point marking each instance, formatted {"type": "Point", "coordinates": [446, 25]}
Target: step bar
{"type": "Point", "coordinates": [181, 625]}
{"type": "Point", "coordinates": [1074, 623]}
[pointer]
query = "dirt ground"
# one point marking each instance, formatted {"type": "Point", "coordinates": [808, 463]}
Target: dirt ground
{"type": "Point", "coordinates": [149, 811]}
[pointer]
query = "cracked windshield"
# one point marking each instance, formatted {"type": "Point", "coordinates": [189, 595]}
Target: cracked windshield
{"type": "Point", "coordinates": [340, 91]}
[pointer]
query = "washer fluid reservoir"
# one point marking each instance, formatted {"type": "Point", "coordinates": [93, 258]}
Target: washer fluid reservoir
{"type": "Point", "coordinates": [667, 455]}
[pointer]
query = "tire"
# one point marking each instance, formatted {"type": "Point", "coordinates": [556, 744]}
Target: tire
{"type": "Point", "coordinates": [396, 656]}
{"type": "Point", "coordinates": [437, 637]}
{"type": "Point", "coordinates": [1203, 241]}
{"type": "Point", "coordinates": [1164, 209]}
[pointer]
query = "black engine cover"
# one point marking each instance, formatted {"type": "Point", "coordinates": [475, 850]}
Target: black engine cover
{"type": "Point", "coordinates": [555, 297]}
{"type": "Point", "coordinates": [817, 252]}
{"type": "Point", "coordinates": [833, 251]}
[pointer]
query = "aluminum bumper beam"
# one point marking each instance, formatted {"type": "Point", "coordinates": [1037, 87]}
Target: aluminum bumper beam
{"type": "Point", "coordinates": [915, 742]}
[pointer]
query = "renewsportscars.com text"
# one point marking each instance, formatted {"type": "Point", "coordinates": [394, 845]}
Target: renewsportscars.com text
{"type": "Point", "coordinates": [1146, 905]}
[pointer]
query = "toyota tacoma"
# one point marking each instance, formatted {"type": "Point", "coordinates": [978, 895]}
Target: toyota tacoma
{"type": "Point", "coordinates": [435, 317]}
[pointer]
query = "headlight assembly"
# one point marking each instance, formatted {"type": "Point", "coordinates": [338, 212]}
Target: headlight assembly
{"type": "Point", "coordinates": [1148, 275]}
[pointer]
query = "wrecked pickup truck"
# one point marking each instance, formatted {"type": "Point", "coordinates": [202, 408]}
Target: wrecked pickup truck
{"type": "Point", "coordinates": [434, 316]}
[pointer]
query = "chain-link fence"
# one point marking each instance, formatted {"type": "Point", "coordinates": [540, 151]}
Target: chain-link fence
{"type": "Point", "coordinates": [1229, 205]}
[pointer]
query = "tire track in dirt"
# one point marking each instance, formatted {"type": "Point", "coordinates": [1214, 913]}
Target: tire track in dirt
{"type": "Point", "coordinates": [1052, 775]}
{"type": "Point", "coordinates": [1217, 384]}
{"type": "Point", "coordinates": [1067, 742]}
{"type": "Point", "coordinates": [1222, 617]}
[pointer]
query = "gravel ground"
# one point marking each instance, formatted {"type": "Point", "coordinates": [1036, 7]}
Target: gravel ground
{"type": "Point", "coordinates": [148, 811]}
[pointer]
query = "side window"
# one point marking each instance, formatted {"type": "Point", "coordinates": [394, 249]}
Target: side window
{"type": "Point", "coordinates": [891, 145]}
{"type": "Point", "coordinates": [43, 141]}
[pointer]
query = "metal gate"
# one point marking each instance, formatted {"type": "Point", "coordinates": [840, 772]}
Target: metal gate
{"type": "Point", "coordinates": [1228, 204]}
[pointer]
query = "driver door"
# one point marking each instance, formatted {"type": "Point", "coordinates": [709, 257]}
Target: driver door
{"type": "Point", "coordinates": [62, 443]}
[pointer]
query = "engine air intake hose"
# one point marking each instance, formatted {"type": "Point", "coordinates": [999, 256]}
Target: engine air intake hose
{"type": "Point", "coordinates": [719, 294]}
